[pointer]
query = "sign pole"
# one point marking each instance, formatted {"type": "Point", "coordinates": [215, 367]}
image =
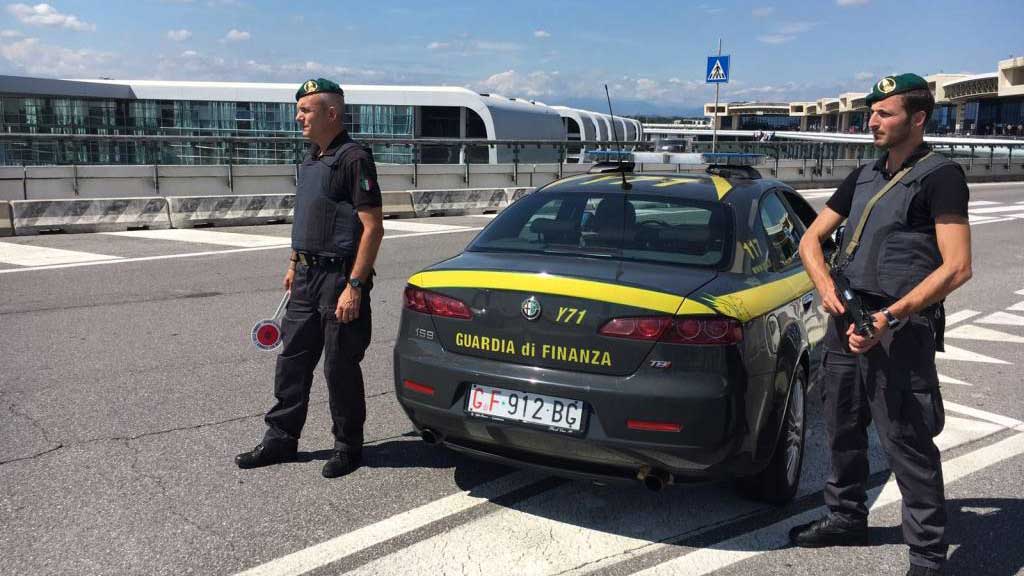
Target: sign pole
{"type": "Point", "coordinates": [714, 119]}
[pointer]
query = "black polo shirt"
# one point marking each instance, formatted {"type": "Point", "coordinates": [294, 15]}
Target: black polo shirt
{"type": "Point", "coordinates": [942, 192]}
{"type": "Point", "coordinates": [355, 178]}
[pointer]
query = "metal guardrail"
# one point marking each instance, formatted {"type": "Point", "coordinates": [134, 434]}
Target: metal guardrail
{"type": "Point", "coordinates": [277, 149]}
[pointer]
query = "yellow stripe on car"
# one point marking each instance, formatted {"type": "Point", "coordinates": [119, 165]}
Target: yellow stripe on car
{"type": "Point", "coordinates": [759, 300]}
{"type": "Point", "coordinates": [722, 186]}
{"type": "Point", "coordinates": [560, 286]}
{"type": "Point", "coordinates": [743, 305]}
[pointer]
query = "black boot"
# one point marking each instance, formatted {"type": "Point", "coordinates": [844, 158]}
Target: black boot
{"type": "Point", "coordinates": [829, 531]}
{"type": "Point", "coordinates": [262, 455]}
{"type": "Point", "coordinates": [341, 463]}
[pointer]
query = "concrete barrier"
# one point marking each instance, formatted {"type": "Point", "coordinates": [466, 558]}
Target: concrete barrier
{"type": "Point", "coordinates": [88, 215]}
{"type": "Point", "coordinates": [192, 211]}
{"type": "Point", "coordinates": [397, 204]}
{"type": "Point", "coordinates": [462, 201]}
{"type": "Point", "coordinates": [12, 183]}
{"type": "Point", "coordinates": [6, 219]}
{"type": "Point", "coordinates": [513, 194]}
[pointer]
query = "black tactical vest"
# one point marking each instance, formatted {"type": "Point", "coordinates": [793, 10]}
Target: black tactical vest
{"type": "Point", "coordinates": [324, 223]}
{"type": "Point", "coordinates": [892, 259]}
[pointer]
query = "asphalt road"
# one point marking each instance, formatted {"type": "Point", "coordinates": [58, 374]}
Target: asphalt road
{"type": "Point", "coordinates": [128, 384]}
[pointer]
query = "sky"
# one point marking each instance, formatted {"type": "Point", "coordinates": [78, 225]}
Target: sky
{"type": "Point", "coordinates": [651, 53]}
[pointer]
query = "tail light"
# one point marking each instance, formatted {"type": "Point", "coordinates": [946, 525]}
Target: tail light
{"type": "Point", "coordinates": [429, 302]}
{"type": "Point", "coordinates": [696, 331]}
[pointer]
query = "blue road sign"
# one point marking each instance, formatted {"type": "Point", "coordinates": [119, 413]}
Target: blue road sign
{"type": "Point", "coordinates": [718, 70]}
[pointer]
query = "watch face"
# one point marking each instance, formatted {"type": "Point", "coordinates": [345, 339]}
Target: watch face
{"type": "Point", "coordinates": [355, 283]}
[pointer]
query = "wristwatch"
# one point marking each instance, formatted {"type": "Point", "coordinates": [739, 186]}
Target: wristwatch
{"type": "Point", "coordinates": [355, 283]}
{"type": "Point", "coordinates": [891, 320]}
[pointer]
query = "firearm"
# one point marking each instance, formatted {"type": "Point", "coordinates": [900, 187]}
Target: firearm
{"type": "Point", "coordinates": [856, 312]}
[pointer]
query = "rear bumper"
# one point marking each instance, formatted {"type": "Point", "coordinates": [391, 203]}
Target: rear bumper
{"type": "Point", "coordinates": [713, 442]}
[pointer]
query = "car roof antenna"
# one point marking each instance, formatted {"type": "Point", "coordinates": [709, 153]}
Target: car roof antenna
{"type": "Point", "coordinates": [615, 135]}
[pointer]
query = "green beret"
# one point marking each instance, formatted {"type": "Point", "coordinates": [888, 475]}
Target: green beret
{"type": "Point", "coordinates": [893, 85]}
{"type": "Point", "coordinates": [316, 86]}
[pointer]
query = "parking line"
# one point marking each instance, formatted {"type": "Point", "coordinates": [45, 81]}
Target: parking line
{"type": "Point", "coordinates": [116, 260]}
{"type": "Point", "coordinates": [337, 548]}
{"type": "Point", "coordinates": [35, 256]}
{"type": "Point", "coordinates": [959, 316]}
{"type": "Point", "coordinates": [194, 236]}
{"type": "Point", "coordinates": [770, 538]}
{"type": "Point", "coordinates": [507, 541]}
{"type": "Point", "coordinates": [410, 226]}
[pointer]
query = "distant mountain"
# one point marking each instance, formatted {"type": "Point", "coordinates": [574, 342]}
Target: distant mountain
{"type": "Point", "coordinates": [628, 107]}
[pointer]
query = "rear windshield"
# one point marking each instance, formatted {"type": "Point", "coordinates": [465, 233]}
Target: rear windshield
{"type": "Point", "coordinates": [630, 226]}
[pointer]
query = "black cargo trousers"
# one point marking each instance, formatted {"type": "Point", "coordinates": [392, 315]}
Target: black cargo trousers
{"type": "Point", "coordinates": [310, 327]}
{"type": "Point", "coordinates": [896, 385]}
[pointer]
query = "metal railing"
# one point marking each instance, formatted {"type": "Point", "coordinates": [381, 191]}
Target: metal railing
{"type": "Point", "coordinates": [20, 149]}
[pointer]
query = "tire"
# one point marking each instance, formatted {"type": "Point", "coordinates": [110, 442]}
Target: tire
{"type": "Point", "coordinates": [778, 482]}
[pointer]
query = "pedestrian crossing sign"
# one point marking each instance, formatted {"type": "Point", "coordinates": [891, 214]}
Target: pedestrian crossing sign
{"type": "Point", "coordinates": [718, 70]}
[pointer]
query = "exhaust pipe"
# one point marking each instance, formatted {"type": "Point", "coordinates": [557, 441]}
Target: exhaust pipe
{"type": "Point", "coordinates": [655, 479]}
{"type": "Point", "coordinates": [430, 437]}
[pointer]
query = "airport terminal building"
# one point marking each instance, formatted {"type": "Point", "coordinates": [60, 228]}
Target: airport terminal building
{"type": "Point", "coordinates": [253, 123]}
{"type": "Point", "coordinates": [990, 104]}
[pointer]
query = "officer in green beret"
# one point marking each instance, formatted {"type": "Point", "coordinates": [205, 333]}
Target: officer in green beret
{"type": "Point", "coordinates": [336, 232]}
{"type": "Point", "coordinates": [910, 247]}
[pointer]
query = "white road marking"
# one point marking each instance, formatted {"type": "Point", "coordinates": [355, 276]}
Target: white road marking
{"type": "Point", "coordinates": [29, 255]}
{"type": "Point", "coordinates": [1018, 307]}
{"type": "Point", "coordinates": [337, 548]}
{"type": "Point", "coordinates": [195, 236]}
{"type": "Point", "coordinates": [410, 226]}
{"type": "Point", "coordinates": [974, 220]}
{"type": "Point", "coordinates": [488, 216]}
{"type": "Point", "coordinates": [1002, 319]}
{"type": "Point", "coordinates": [590, 527]}
{"type": "Point", "coordinates": [707, 560]}
{"type": "Point", "coordinates": [943, 379]}
{"type": "Point", "coordinates": [815, 195]}
{"type": "Point", "coordinates": [960, 315]}
{"type": "Point", "coordinates": [1004, 421]}
{"type": "Point", "coordinates": [1020, 292]}
{"type": "Point", "coordinates": [994, 210]}
{"type": "Point", "coordinates": [973, 203]}
{"type": "Point", "coordinates": [116, 260]}
{"type": "Point", "coordinates": [972, 332]}
{"type": "Point", "coordinates": [959, 354]}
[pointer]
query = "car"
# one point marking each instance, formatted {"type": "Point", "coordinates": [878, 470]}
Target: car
{"type": "Point", "coordinates": [623, 327]}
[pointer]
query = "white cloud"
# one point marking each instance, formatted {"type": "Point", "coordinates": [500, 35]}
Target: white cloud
{"type": "Point", "coordinates": [864, 76]}
{"type": "Point", "coordinates": [796, 27]}
{"type": "Point", "coordinates": [776, 38]}
{"type": "Point", "coordinates": [472, 47]}
{"type": "Point", "coordinates": [846, 3]}
{"type": "Point", "coordinates": [488, 46]}
{"type": "Point", "coordinates": [178, 35]}
{"type": "Point", "coordinates": [762, 11]}
{"type": "Point", "coordinates": [541, 34]}
{"type": "Point", "coordinates": [36, 58]}
{"type": "Point", "coordinates": [46, 15]}
{"type": "Point", "coordinates": [190, 54]}
{"type": "Point", "coordinates": [10, 34]}
{"type": "Point", "coordinates": [236, 36]}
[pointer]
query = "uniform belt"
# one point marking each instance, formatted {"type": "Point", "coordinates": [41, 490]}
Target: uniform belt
{"type": "Point", "coordinates": [320, 261]}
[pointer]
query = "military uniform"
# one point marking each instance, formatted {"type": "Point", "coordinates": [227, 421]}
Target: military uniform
{"type": "Point", "coordinates": [895, 383]}
{"type": "Point", "coordinates": [332, 185]}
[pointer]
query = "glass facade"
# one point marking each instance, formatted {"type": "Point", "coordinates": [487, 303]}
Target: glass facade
{"type": "Point", "coordinates": [272, 122]}
{"type": "Point", "coordinates": [1002, 117]}
{"type": "Point", "coordinates": [768, 122]}
{"type": "Point", "coordinates": [943, 119]}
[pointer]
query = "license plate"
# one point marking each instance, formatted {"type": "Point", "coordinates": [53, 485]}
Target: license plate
{"type": "Point", "coordinates": [559, 414]}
